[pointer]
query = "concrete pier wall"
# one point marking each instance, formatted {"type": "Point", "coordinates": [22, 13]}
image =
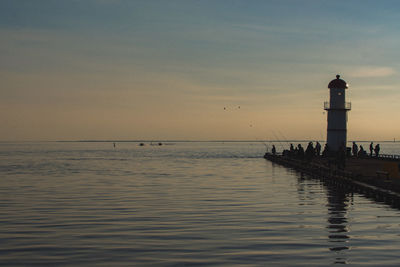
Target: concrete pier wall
{"type": "Point", "coordinates": [380, 189]}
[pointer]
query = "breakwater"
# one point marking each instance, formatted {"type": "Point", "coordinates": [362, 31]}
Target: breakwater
{"type": "Point", "coordinates": [380, 188]}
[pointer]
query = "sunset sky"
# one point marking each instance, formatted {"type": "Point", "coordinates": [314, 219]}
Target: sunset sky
{"type": "Point", "coordinates": [196, 70]}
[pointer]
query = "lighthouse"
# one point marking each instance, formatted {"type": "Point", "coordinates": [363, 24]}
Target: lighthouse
{"type": "Point", "coordinates": [337, 108]}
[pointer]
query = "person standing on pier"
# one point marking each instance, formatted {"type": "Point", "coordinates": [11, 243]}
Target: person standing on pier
{"type": "Point", "coordinates": [377, 148]}
{"type": "Point", "coordinates": [362, 153]}
{"type": "Point", "coordinates": [300, 152]}
{"type": "Point", "coordinates": [292, 150]}
{"type": "Point", "coordinates": [310, 151]}
{"type": "Point", "coordinates": [317, 149]}
{"type": "Point", "coordinates": [326, 153]}
{"type": "Point", "coordinates": [273, 150]}
{"type": "Point", "coordinates": [355, 149]}
{"type": "Point", "coordinates": [371, 148]}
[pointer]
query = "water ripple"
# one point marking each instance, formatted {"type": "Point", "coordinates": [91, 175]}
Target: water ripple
{"type": "Point", "coordinates": [187, 204]}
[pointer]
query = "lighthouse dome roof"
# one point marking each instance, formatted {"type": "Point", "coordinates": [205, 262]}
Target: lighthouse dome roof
{"type": "Point", "coordinates": [337, 83]}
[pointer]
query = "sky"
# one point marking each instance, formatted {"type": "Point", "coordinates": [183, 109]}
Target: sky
{"type": "Point", "coordinates": [196, 69]}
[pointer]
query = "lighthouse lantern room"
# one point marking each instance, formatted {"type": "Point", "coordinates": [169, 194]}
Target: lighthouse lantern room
{"type": "Point", "coordinates": [337, 109]}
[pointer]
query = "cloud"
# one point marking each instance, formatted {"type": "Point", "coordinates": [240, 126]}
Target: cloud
{"type": "Point", "coordinates": [372, 72]}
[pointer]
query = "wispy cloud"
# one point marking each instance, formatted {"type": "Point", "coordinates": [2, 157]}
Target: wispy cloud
{"type": "Point", "coordinates": [372, 72]}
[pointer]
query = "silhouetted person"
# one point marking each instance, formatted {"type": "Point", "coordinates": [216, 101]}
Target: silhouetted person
{"type": "Point", "coordinates": [292, 151]}
{"type": "Point", "coordinates": [362, 153]}
{"type": "Point", "coordinates": [273, 150]}
{"type": "Point", "coordinates": [300, 152]}
{"type": "Point", "coordinates": [355, 149]}
{"type": "Point", "coordinates": [371, 148]}
{"type": "Point", "coordinates": [286, 153]}
{"type": "Point", "coordinates": [310, 152]}
{"type": "Point", "coordinates": [317, 149]}
{"type": "Point", "coordinates": [326, 151]}
{"type": "Point", "coordinates": [377, 148]}
{"type": "Point", "coordinates": [291, 148]}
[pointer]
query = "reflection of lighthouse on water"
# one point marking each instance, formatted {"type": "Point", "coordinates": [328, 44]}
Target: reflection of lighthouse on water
{"type": "Point", "coordinates": [338, 201]}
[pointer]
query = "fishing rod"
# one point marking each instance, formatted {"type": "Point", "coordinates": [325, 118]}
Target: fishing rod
{"type": "Point", "coordinates": [284, 138]}
{"type": "Point", "coordinates": [270, 141]}
{"type": "Point", "coordinates": [277, 139]}
{"type": "Point", "coordinates": [266, 146]}
{"type": "Point", "coordinates": [258, 140]}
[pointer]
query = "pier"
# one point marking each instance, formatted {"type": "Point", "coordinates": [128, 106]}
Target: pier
{"type": "Point", "coordinates": [375, 176]}
{"type": "Point", "coordinates": [366, 176]}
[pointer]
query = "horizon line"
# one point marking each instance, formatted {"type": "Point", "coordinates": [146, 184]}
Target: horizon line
{"type": "Point", "coordinates": [177, 140]}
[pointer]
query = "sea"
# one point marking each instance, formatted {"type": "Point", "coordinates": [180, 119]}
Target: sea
{"type": "Point", "coordinates": [182, 204]}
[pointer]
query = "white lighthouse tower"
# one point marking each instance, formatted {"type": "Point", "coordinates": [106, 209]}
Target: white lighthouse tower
{"type": "Point", "coordinates": [337, 109]}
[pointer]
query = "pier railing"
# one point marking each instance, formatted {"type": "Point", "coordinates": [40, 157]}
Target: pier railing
{"type": "Point", "coordinates": [380, 156]}
{"type": "Point", "coordinates": [387, 156]}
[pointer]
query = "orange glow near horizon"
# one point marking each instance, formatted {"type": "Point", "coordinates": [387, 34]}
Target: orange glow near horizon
{"type": "Point", "coordinates": [169, 76]}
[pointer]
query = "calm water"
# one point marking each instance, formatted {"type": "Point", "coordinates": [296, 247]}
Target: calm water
{"type": "Point", "coordinates": [181, 204]}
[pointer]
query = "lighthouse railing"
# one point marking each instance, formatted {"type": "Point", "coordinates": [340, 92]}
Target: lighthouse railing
{"type": "Point", "coordinates": [328, 105]}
